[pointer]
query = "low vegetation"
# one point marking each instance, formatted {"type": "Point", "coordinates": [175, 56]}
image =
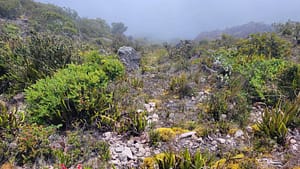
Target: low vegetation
{"type": "Point", "coordinates": [65, 95]}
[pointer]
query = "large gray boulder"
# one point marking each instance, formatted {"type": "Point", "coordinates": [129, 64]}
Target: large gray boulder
{"type": "Point", "coordinates": [129, 57]}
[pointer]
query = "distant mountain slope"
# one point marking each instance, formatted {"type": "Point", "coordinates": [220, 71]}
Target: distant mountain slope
{"type": "Point", "coordinates": [241, 31]}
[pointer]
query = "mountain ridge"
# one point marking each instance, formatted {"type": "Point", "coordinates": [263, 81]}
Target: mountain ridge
{"type": "Point", "coordinates": [240, 31]}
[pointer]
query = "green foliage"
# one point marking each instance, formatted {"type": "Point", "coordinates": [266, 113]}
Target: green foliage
{"type": "Point", "coordinates": [289, 81]}
{"type": "Point", "coordinates": [109, 64]}
{"type": "Point", "coordinates": [290, 30]}
{"type": "Point", "coordinates": [261, 74]}
{"type": "Point", "coordinates": [136, 82]}
{"type": "Point", "coordinates": [179, 85]}
{"type": "Point", "coordinates": [9, 8]}
{"type": "Point", "coordinates": [267, 44]}
{"type": "Point", "coordinates": [4, 151]}
{"type": "Point", "coordinates": [134, 123]}
{"type": "Point", "coordinates": [230, 101]}
{"type": "Point", "coordinates": [167, 161]}
{"type": "Point", "coordinates": [84, 146]}
{"type": "Point", "coordinates": [71, 93]}
{"type": "Point", "coordinates": [40, 55]}
{"type": "Point", "coordinates": [154, 138]}
{"type": "Point", "coordinates": [139, 122]}
{"type": "Point", "coordinates": [10, 31]}
{"type": "Point", "coordinates": [183, 160]}
{"type": "Point", "coordinates": [113, 68]}
{"type": "Point", "coordinates": [9, 121]}
{"type": "Point", "coordinates": [77, 92]}
{"type": "Point", "coordinates": [152, 59]}
{"type": "Point", "coordinates": [275, 121]}
{"type": "Point", "coordinates": [93, 28]}
{"type": "Point", "coordinates": [33, 143]}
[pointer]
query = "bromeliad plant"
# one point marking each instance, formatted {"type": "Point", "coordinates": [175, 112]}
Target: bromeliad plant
{"type": "Point", "coordinates": [182, 160]}
{"type": "Point", "coordinates": [10, 120]}
{"type": "Point", "coordinates": [275, 121]}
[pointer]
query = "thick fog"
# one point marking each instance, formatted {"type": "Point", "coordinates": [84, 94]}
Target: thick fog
{"type": "Point", "coordinates": [170, 19]}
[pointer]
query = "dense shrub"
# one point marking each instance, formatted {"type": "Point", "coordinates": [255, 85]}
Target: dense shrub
{"type": "Point", "coordinates": [267, 44]}
{"type": "Point", "coordinates": [36, 57]}
{"type": "Point", "coordinates": [262, 77]}
{"type": "Point", "coordinates": [113, 68]}
{"type": "Point", "coordinates": [9, 8]}
{"type": "Point", "coordinates": [77, 92]}
{"type": "Point", "coordinates": [261, 74]}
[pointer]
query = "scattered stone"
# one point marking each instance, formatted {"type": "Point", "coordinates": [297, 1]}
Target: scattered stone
{"type": "Point", "coordinates": [155, 117]}
{"type": "Point", "coordinates": [293, 141]}
{"type": "Point", "coordinates": [128, 153]}
{"type": "Point", "coordinates": [150, 107]}
{"type": "Point", "coordinates": [238, 133]}
{"type": "Point", "coordinates": [223, 116]}
{"type": "Point", "coordinates": [107, 135]}
{"type": "Point", "coordinates": [214, 142]}
{"type": "Point", "coordinates": [249, 129]}
{"type": "Point", "coordinates": [172, 115]}
{"type": "Point", "coordinates": [188, 134]}
{"type": "Point", "coordinates": [213, 148]}
{"type": "Point", "coordinates": [221, 140]}
{"type": "Point", "coordinates": [119, 149]}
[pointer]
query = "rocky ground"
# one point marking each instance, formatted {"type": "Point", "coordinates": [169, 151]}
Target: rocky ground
{"type": "Point", "coordinates": [167, 110]}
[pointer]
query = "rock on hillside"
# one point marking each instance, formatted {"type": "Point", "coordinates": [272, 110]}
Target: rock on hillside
{"type": "Point", "coordinates": [129, 57]}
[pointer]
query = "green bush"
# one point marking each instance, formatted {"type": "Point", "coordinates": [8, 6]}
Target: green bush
{"type": "Point", "coordinates": [267, 44]}
{"type": "Point", "coordinates": [9, 8]}
{"type": "Point", "coordinates": [36, 57]}
{"type": "Point", "coordinates": [77, 92]}
{"type": "Point", "coordinates": [261, 74]}
{"type": "Point", "coordinates": [289, 81]}
{"type": "Point", "coordinates": [113, 68]}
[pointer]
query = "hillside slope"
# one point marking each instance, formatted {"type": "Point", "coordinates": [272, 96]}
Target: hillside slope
{"type": "Point", "coordinates": [240, 31]}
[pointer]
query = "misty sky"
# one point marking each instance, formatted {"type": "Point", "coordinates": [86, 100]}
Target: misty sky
{"type": "Point", "coordinates": [169, 19]}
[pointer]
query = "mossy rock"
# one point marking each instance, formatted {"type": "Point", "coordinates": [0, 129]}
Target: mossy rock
{"type": "Point", "coordinates": [167, 134]}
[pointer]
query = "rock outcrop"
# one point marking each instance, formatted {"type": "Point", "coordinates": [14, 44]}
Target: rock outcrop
{"type": "Point", "coordinates": [129, 57]}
